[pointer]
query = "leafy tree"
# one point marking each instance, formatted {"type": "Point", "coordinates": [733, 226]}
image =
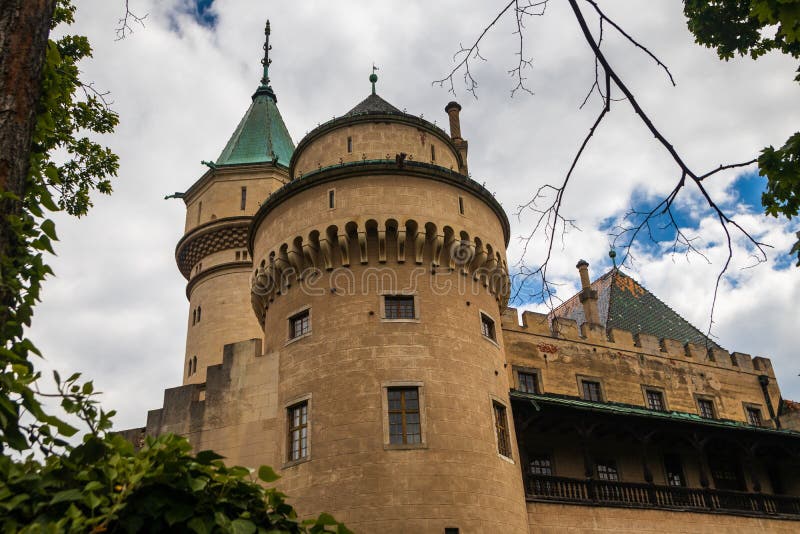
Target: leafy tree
{"type": "Point", "coordinates": [103, 484]}
{"type": "Point", "coordinates": [755, 27]}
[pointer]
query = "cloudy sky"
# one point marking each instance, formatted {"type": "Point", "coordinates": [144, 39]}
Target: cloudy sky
{"type": "Point", "coordinates": [117, 310]}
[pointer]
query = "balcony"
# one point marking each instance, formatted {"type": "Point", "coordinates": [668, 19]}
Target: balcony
{"type": "Point", "coordinates": [634, 495]}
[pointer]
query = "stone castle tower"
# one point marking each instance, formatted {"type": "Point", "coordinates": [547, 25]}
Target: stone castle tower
{"type": "Point", "coordinates": [348, 326]}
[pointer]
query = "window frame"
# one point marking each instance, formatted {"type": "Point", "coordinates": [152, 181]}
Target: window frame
{"type": "Point", "coordinates": [290, 337]}
{"type": "Point", "coordinates": [541, 454]}
{"type": "Point", "coordinates": [583, 378]}
{"type": "Point", "coordinates": [331, 198]}
{"type": "Point", "coordinates": [484, 316]}
{"type": "Point", "coordinates": [382, 304]}
{"type": "Point", "coordinates": [349, 144]}
{"type": "Point", "coordinates": [607, 462]}
{"type": "Point", "coordinates": [705, 398]}
{"type": "Point", "coordinates": [660, 391]}
{"type": "Point", "coordinates": [405, 384]}
{"type": "Point", "coordinates": [296, 401]}
{"type": "Point", "coordinates": [537, 374]}
{"type": "Point", "coordinates": [243, 200]}
{"type": "Point", "coordinates": [682, 470]}
{"type": "Point", "coordinates": [505, 427]}
{"type": "Point", "coordinates": [755, 408]}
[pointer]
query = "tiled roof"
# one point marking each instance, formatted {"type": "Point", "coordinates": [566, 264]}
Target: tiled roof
{"type": "Point", "coordinates": [625, 304]}
{"type": "Point", "coordinates": [372, 104]}
{"type": "Point", "coordinates": [614, 408]}
{"type": "Point", "coordinates": [261, 135]}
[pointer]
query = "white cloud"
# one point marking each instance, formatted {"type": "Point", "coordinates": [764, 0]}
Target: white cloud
{"type": "Point", "coordinates": [117, 308]}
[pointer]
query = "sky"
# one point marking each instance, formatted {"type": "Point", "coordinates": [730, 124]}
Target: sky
{"type": "Point", "coordinates": [116, 309]}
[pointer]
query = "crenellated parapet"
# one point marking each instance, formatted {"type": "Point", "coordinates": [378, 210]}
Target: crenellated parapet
{"type": "Point", "coordinates": [617, 339]}
{"type": "Point", "coordinates": [215, 236]}
{"type": "Point", "coordinates": [440, 249]}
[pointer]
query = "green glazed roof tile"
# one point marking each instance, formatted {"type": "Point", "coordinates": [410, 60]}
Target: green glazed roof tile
{"type": "Point", "coordinates": [261, 135]}
{"type": "Point", "coordinates": [625, 304]}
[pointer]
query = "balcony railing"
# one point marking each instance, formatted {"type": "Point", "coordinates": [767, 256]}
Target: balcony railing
{"type": "Point", "coordinates": [634, 495]}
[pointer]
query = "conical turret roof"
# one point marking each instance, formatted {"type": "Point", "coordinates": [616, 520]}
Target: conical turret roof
{"type": "Point", "coordinates": [261, 136]}
{"type": "Point", "coordinates": [372, 104]}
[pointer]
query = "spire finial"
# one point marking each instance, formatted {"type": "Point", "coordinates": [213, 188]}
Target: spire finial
{"type": "Point", "coordinates": [373, 78]}
{"type": "Point", "coordinates": [613, 255]}
{"type": "Point", "coordinates": [266, 61]}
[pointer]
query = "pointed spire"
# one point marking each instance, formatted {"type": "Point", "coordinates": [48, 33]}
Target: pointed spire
{"type": "Point", "coordinates": [264, 88]}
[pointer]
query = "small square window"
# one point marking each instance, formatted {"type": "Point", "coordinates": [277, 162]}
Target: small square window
{"type": "Point", "coordinates": [541, 464]}
{"type": "Point", "coordinates": [528, 382]}
{"type": "Point", "coordinates": [398, 307]}
{"type": "Point", "coordinates": [706, 408]}
{"type": "Point", "coordinates": [607, 470]}
{"type": "Point", "coordinates": [591, 391]}
{"type": "Point", "coordinates": [754, 416]}
{"type": "Point", "coordinates": [297, 431]}
{"type": "Point", "coordinates": [501, 428]}
{"type": "Point", "coordinates": [655, 400]}
{"type": "Point", "coordinates": [487, 327]}
{"type": "Point", "coordinates": [404, 416]}
{"type": "Point", "coordinates": [300, 324]}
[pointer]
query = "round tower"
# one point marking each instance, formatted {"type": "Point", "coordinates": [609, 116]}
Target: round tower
{"type": "Point", "coordinates": [213, 254]}
{"type": "Point", "coordinates": [379, 277]}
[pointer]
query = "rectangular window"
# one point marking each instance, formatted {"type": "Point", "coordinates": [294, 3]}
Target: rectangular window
{"type": "Point", "coordinates": [404, 422]}
{"type": "Point", "coordinates": [591, 391]}
{"type": "Point", "coordinates": [726, 470]}
{"type": "Point", "coordinates": [655, 400]}
{"type": "Point", "coordinates": [674, 469]}
{"type": "Point", "coordinates": [199, 211]}
{"type": "Point", "coordinates": [706, 408]}
{"type": "Point", "coordinates": [461, 205]}
{"type": "Point", "coordinates": [298, 431]}
{"type": "Point", "coordinates": [541, 464]}
{"type": "Point", "coordinates": [349, 144]}
{"type": "Point", "coordinates": [528, 382]}
{"type": "Point", "coordinates": [451, 530]}
{"type": "Point", "coordinates": [754, 416]}
{"type": "Point", "coordinates": [607, 470]}
{"type": "Point", "coordinates": [433, 153]}
{"type": "Point", "coordinates": [398, 306]}
{"type": "Point", "coordinates": [487, 327]}
{"type": "Point", "coordinates": [244, 199]}
{"type": "Point", "coordinates": [238, 255]}
{"type": "Point", "coordinates": [300, 324]}
{"type": "Point", "coordinates": [331, 199]}
{"type": "Point", "coordinates": [501, 428]}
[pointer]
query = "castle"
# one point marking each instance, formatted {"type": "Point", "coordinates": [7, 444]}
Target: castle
{"type": "Point", "coordinates": [349, 326]}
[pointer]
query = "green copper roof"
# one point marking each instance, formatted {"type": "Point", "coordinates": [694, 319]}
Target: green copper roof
{"type": "Point", "coordinates": [261, 136]}
{"type": "Point", "coordinates": [623, 303]}
{"type": "Point", "coordinates": [613, 408]}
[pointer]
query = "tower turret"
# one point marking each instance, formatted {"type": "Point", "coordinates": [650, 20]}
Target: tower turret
{"type": "Point", "coordinates": [213, 254]}
{"type": "Point", "coordinates": [379, 278]}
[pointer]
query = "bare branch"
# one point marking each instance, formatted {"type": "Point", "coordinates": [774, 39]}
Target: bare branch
{"type": "Point", "coordinates": [126, 22]}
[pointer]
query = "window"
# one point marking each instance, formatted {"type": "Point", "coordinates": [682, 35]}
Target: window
{"type": "Point", "coordinates": [238, 255]}
{"type": "Point", "coordinates": [194, 316]}
{"type": "Point", "coordinates": [297, 431]}
{"type": "Point", "coordinates": [655, 400]}
{"type": "Point", "coordinates": [451, 530]}
{"type": "Point", "coordinates": [528, 382]}
{"type": "Point", "coordinates": [404, 422]}
{"type": "Point", "coordinates": [433, 153]}
{"type": "Point", "coordinates": [331, 199]}
{"type": "Point", "coordinates": [189, 367]}
{"type": "Point", "coordinates": [754, 416]}
{"type": "Point", "coordinates": [725, 470]}
{"type": "Point", "coordinates": [300, 324]}
{"type": "Point", "coordinates": [541, 464]}
{"type": "Point", "coordinates": [607, 470]}
{"type": "Point", "coordinates": [487, 326]}
{"type": "Point", "coordinates": [349, 144]}
{"type": "Point", "coordinates": [674, 470]}
{"type": "Point", "coordinates": [244, 199]}
{"type": "Point", "coordinates": [199, 211]}
{"type": "Point", "coordinates": [501, 428]}
{"type": "Point", "coordinates": [591, 391]}
{"type": "Point", "coordinates": [706, 408]}
{"type": "Point", "coordinates": [398, 307]}
{"type": "Point", "coordinates": [461, 205]}
{"type": "Point", "coordinates": [199, 311]}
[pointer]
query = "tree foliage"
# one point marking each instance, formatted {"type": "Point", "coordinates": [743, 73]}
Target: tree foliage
{"type": "Point", "coordinates": [753, 28]}
{"type": "Point", "coordinates": [102, 484]}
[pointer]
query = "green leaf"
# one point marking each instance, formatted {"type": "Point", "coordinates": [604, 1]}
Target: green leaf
{"type": "Point", "coordinates": [200, 525]}
{"type": "Point", "coordinates": [267, 474]}
{"type": "Point", "coordinates": [206, 457]}
{"type": "Point", "coordinates": [67, 495]}
{"type": "Point", "coordinates": [49, 228]}
{"type": "Point", "coordinates": [243, 526]}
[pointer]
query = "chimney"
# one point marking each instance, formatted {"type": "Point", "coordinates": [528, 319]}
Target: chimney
{"type": "Point", "coordinates": [588, 296]}
{"type": "Point", "coordinates": [452, 109]}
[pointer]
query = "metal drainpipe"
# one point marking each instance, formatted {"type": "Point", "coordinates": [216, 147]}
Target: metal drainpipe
{"type": "Point", "coordinates": [764, 381]}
